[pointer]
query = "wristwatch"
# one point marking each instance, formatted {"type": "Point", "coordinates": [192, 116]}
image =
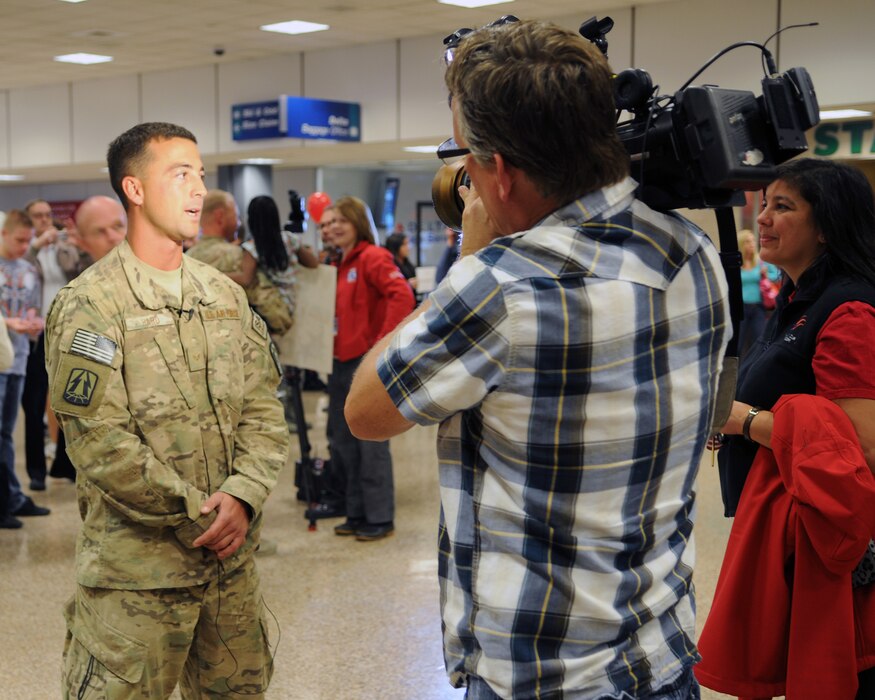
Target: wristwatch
{"type": "Point", "coordinates": [745, 428]}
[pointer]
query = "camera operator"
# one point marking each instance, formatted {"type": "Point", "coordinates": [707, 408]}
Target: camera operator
{"type": "Point", "coordinates": [571, 356]}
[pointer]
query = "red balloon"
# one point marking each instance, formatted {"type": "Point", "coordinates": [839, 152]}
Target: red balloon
{"type": "Point", "coordinates": [317, 203]}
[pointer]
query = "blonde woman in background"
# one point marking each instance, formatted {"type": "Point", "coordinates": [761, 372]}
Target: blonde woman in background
{"type": "Point", "coordinates": [752, 272]}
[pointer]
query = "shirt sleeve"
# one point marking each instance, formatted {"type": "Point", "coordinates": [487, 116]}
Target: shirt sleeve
{"type": "Point", "coordinates": [452, 356]}
{"type": "Point", "coordinates": [842, 361]}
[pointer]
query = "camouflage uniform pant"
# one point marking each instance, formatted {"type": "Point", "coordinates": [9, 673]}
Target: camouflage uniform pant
{"type": "Point", "coordinates": [211, 639]}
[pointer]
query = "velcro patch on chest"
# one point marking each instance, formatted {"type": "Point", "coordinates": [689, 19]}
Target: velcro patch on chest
{"type": "Point", "coordinates": [94, 347]}
{"type": "Point", "coordinates": [219, 314]}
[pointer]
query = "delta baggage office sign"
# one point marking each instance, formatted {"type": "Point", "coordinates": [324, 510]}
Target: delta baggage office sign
{"type": "Point", "coordinates": [296, 118]}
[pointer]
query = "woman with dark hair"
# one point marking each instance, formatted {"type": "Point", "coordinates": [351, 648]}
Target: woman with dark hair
{"type": "Point", "coordinates": [797, 455]}
{"type": "Point", "coordinates": [399, 245]}
{"type": "Point", "coordinates": [372, 298]}
{"type": "Point", "coordinates": [276, 251]}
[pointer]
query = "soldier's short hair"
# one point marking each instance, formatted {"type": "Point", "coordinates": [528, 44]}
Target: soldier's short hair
{"type": "Point", "coordinates": [15, 219]}
{"type": "Point", "coordinates": [128, 152]}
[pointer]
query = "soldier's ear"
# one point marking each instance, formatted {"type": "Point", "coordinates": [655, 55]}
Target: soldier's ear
{"type": "Point", "coordinates": [133, 189]}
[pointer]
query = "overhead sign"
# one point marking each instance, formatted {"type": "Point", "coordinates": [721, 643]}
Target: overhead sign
{"type": "Point", "coordinates": [298, 118]}
{"type": "Point", "coordinates": [306, 118]}
{"type": "Point", "coordinates": [845, 139]}
{"type": "Point", "coordinates": [256, 120]}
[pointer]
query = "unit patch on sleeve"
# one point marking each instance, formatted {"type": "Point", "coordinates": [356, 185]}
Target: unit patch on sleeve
{"type": "Point", "coordinates": [94, 347]}
{"type": "Point", "coordinates": [258, 324]}
{"type": "Point", "coordinates": [80, 387]}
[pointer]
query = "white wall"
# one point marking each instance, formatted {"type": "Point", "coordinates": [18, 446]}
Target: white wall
{"type": "Point", "coordinates": [400, 83]}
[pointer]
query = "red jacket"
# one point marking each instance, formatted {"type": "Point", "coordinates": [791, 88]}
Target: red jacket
{"type": "Point", "coordinates": [785, 619]}
{"type": "Point", "coordinates": [372, 298]}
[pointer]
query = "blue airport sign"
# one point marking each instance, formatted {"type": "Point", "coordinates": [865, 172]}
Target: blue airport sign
{"type": "Point", "coordinates": [256, 120]}
{"type": "Point", "coordinates": [296, 118]}
{"type": "Point", "coordinates": [306, 118]}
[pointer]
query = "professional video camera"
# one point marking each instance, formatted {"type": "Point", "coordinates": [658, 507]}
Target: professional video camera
{"type": "Point", "coordinates": [701, 147]}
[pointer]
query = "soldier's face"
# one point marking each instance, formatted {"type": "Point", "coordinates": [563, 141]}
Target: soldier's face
{"type": "Point", "coordinates": [172, 186]}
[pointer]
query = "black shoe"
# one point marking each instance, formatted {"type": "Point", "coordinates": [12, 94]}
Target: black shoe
{"type": "Point", "coordinates": [30, 508]}
{"type": "Point", "coordinates": [350, 527]}
{"type": "Point", "coordinates": [376, 531]}
{"type": "Point", "coordinates": [37, 485]}
{"type": "Point", "coordinates": [10, 522]}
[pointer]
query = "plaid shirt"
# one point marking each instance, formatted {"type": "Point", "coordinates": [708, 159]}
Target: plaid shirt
{"type": "Point", "coordinates": [574, 370]}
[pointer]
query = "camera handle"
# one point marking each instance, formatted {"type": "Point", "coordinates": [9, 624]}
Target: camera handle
{"type": "Point", "coordinates": [730, 257]}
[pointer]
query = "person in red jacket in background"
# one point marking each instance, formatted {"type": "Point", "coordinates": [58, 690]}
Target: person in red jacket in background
{"type": "Point", "coordinates": [372, 298]}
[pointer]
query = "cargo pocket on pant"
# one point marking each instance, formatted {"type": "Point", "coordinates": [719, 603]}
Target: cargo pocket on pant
{"type": "Point", "coordinates": [99, 660]}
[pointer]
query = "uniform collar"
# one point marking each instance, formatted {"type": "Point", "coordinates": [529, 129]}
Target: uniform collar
{"type": "Point", "coordinates": [196, 283]}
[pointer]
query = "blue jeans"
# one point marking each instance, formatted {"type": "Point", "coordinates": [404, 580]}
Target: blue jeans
{"type": "Point", "coordinates": [11, 386]}
{"type": "Point", "coordinates": [684, 688]}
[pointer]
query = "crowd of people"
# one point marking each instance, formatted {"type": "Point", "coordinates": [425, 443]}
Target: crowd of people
{"type": "Point", "coordinates": [571, 354]}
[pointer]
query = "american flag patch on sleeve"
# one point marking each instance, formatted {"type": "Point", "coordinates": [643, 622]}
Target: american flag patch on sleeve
{"type": "Point", "coordinates": [92, 346]}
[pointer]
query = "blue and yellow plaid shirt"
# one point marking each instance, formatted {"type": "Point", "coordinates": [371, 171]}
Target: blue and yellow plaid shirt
{"type": "Point", "coordinates": [573, 369]}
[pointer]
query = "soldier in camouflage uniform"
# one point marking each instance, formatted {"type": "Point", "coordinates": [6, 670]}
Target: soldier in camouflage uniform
{"type": "Point", "coordinates": [164, 382]}
{"type": "Point", "coordinates": [220, 221]}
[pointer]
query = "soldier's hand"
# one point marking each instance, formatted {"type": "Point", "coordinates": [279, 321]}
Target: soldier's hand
{"type": "Point", "coordinates": [228, 532]}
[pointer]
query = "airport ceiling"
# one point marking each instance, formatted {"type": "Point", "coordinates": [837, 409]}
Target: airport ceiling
{"type": "Point", "coordinates": [153, 35]}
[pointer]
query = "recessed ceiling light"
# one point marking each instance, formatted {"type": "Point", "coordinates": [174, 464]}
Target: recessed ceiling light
{"type": "Point", "coordinates": [294, 26]}
{"type": "Point", "coordinates": [472, 3]}
{"type": "Point", "coordinates": [85, 59]}
{"type": "Point", "coordinates": [10, 178]}
{"type": "Point", "coordinates": [422, 149]}
{"type": "Point", "coordinates": [72, 0]}
{"type": "Point", "coordinates": [844, 113]}
{"type": "Point", "coordinates": [260, 161]}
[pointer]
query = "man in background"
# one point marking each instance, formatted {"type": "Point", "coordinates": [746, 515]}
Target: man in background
{"type": "Point", "coordinates": [101, 225]}
{"type": "Point", "coordinates": [57, 261]}
{"type": "Point", "coordinates": [571, 356]}
{"type": "Point", "coordinates": [20, 304]}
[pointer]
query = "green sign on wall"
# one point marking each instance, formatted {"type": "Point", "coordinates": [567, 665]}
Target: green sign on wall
{"type": "Point", "coordinates": [845, 139]}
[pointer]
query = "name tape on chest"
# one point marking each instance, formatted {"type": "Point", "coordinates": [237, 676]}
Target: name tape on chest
{"type": "Point", "coordinates": [94, 347]}
{"type": "Point", "coordinates": [138, 323]}
{"type": "Point", "coordinates": [220, 314]}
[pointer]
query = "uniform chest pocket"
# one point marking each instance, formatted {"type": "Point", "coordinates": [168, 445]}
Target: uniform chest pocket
{"type": "Point", "coordinates": [225, 374]}
{"type": "Point", "coordinates": [175, 363]}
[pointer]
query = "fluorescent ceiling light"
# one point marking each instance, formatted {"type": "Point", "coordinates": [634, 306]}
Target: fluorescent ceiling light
{"type": "Point", "coordinates": [85, 59]}
{"type": "Point", "coordinates": [422, 149]}
{"type": "Point", "coordinates": [260, 161]}
{"type": "Point", "coordinates": [843, 113]}
{"type": "Point", "coordinates": [72, 0]}
{"type": "Point", "coordinates": [10, 178]}
{"type": "Point", "coordinates": [472, 3]}
{"type": "Point", "coordinates": [294, 26]}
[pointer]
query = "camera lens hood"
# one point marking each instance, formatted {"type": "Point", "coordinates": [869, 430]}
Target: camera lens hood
{"type": "Point", "coordinates": [445, 194]}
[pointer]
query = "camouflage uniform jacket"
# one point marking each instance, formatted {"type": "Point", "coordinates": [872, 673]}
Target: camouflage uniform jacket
{"type": "Point", "coordinates": [161, 407]}
{"type": "Point", "coordinates": [263, 296]}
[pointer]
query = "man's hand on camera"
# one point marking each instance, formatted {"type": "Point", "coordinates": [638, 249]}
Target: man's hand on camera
{"type": "Point", "coordinates": [478, 229]}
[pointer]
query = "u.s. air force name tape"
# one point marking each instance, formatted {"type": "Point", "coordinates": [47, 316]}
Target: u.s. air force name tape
{"type": "Point", "coordinates": [94, 347]}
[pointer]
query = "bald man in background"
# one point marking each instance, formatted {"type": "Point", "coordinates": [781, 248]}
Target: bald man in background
{"type": "Point", "coordinates": [101, 224]}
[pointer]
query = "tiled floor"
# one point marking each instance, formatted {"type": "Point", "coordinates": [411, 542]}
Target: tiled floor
{"type": "Point", "coordinates": [355, 621]}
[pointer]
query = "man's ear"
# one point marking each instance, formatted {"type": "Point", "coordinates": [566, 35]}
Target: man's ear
{"type": "Point", "coordinates": [505, 174]}
{"type": "Point", "coordinates": [133, 189]}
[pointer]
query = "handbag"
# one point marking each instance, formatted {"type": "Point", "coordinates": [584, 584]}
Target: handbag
{"type": "Point", "coordinates": [768, 290]}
